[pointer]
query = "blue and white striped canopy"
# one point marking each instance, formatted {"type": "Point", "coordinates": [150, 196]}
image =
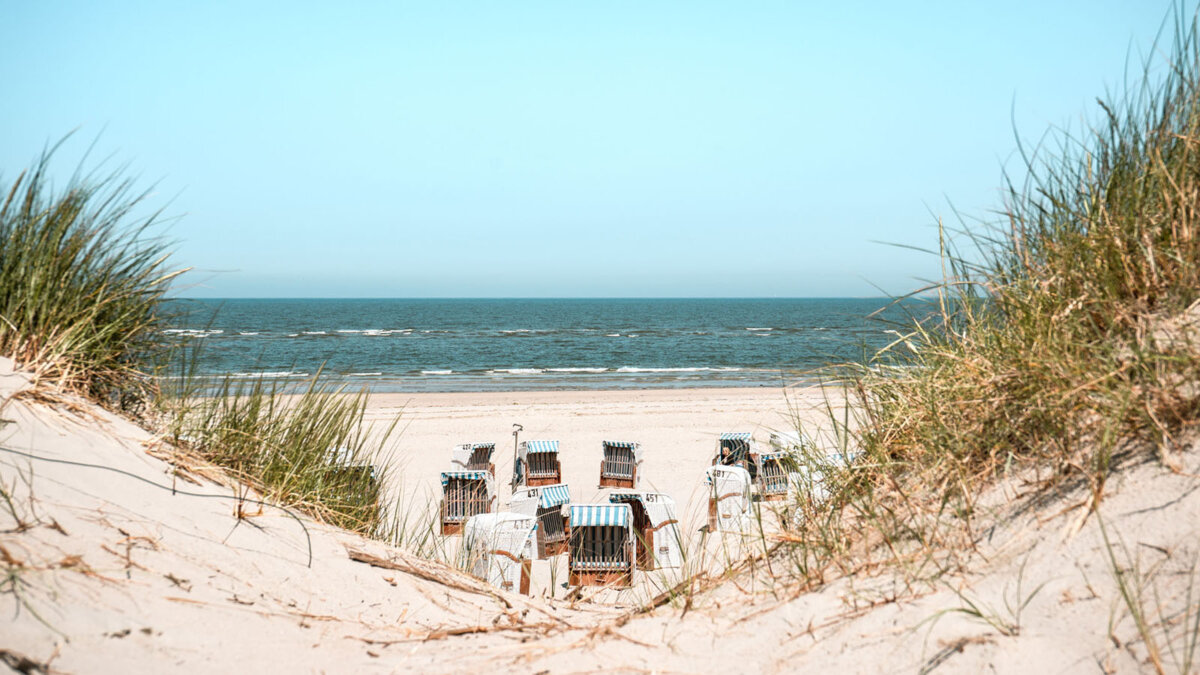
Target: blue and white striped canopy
{"type": "Point", "coordinates": [624, 497]}
{"type": "Point", "coordinates": [621, 444]}
{"type": "Point", "coordinates": [772, 456]}
{"type": "Point", "coordinates": [555, 495]}
{"type": "Point", "coordinates": [533, 447]}
{"type": "Point", "coordinates": [595, 515]}
{"type": "Point", "coordinates": [735, 436]}
{"type": "Point", "coordinates": [465, 475]}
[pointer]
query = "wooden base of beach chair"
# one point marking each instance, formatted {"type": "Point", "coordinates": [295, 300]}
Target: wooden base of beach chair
{"type": "Point", "coordinates": [451, 528]}
{"type": "Point", "coordinates": [615, 579]}
{"type": "Point", "coordinates": [773, 497]}
{"type": "Point", "coordinates": [538, 481]}
{"type": "Point", "coordinates": [608, 481]}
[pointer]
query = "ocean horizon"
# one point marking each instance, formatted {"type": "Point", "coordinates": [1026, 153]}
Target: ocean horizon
{"type": "Point", "coordinates": [502, 344]}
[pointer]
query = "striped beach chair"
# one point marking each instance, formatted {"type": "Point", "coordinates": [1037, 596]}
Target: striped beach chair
{"type": "Point", "coordinates": [350, 474]}
{"type": "Point", "coordinates": [474, 457]}
{"type": "Point", "coordinates": [537, 464]}
{"type": "Point", "coordinates": [621, 463]}
{"type": "Point", "coordinates": [465, 494]}
{"type": "Point", "coordinates": [601, 545]}
{"type": "Point", "coordinates": [774, 475]}
{"type": "Point", "coordinates": [737, 448]}
{"type": "Point", "coordinates": [546, 504]}
{"type": "Point", "coordinates": [655, 529]}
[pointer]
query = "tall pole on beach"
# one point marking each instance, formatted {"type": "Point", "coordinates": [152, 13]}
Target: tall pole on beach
{"type": "Point", "coordinates": [517, 429]}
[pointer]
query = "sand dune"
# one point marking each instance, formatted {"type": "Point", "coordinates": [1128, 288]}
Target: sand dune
{"type": "Point", "coordinates": [108, 570]}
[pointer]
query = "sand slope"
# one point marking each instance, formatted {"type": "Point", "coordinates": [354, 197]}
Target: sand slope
{"type": "Point", "coordinates": [111, 571]}
{"type": "Point", "coordinates": [106, 572]}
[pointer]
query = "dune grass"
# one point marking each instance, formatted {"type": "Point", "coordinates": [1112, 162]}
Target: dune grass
{"type": "Point", "coordinates": [83, 280]}
{"type": "Point", "coordinates": [1063, 338]}
{"type": "Point", "coordinates": [81, 284]}
{"type": "Point", "coordinates": [309, 447]}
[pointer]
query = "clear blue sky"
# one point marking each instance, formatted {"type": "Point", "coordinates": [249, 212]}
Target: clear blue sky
{"type": "Point", "coordinates": [557, 149]}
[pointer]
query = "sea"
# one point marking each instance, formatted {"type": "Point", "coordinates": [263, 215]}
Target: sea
{"type": "Point", "coordinates": [439, 345]}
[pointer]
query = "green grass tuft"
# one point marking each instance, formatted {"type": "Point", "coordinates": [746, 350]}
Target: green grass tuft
{"type": "Point", "coordinates": [311, 449]}
{"type": "Point", "coordinates": [81, 284]}
{"type": "Point", "coordinates": [82, 290]}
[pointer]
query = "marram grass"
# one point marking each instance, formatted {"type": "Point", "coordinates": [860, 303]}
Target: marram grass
{"type": "Point", "coordinates": [82, 289]}
{"type": "Point", "coordinates": [310, 448]}
{"type": "Point", "coordinates": [1064, 338]}
{"type": "Point", "coordinates": [81, 284]}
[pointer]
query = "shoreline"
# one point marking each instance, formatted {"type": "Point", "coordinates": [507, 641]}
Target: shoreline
{"type": "Point", "coordinates": [445, 384]}
{"type": "Point", "coordinates": [381, 399]}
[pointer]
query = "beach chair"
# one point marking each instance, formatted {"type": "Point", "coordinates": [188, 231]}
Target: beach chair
{"type": "Point", "coordinates": [730, 505]}
{"type": "Point", "coordinates": [465, 494]}
{"type": "Point", "coordinates": [346, 459]}
{"type": "Point", "coordinates": [346, 470]}
{"type": "Point", "coordinates": [601, 545]}
{"type": "Point", "coordinates": [474, 457]}
{"type": "Point", "coordinates": [500, 549]}
{"type": "Point", "coordinates": [537, 464]}
{"type": "Point", "coordinates": [776, 475]}
{"type": "Point", "coordinates": [545, 503]}
{"type": "Point", "coordinates": [655, 529]}
{"type": "Point", "coordinates": [621, 464]}
{"type": "Point", "coordinates": [737, 449]}
{"type": "Point", "coordinates": [796, 442]}
{"type": "Point", "coordinates": [810, 466]}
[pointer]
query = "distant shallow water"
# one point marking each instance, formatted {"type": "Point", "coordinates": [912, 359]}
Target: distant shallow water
{"type": "Point", "coordinates": [501, 345]}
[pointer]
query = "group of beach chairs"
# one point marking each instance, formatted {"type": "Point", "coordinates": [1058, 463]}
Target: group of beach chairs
{"type": "Point", "coordinates": [605, 542]}
{"type": "Point", "coordinates": [742, 475]}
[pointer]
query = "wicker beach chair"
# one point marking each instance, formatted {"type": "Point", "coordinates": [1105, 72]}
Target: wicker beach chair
{"type": "Point", "coordinates": [621, 464]}
{"type": "Point", "coordinates": [537, 464]}
{"type": "Point", "coordinates": [737, 448]}
{"type": "Point", "coordinates": [499, 549]}
{"type": "Point", "coordinates": [601, 545]}
{"type": "Point", "coordinates": [465, 494]}
{"type": "Point", "coordinates": [474, 457]}
{"type": "Point", "coordinates": [545, 503]}
{"type": "Point", "coordinates": [655, 529]}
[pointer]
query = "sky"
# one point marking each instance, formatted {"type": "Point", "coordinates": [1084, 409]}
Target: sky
{"type": "Point", "coordinates": [522, 149]}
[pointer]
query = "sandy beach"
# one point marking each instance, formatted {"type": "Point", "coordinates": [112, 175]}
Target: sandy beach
{"type": "Point", "coordinates": [677, 428]}
{"type": "Point", "coordinates": [115, 563]}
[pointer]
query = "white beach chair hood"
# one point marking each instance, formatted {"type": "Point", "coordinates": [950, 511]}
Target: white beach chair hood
{"type": "Point", "coordinates": [660, 509]}
{"type": "Point", "coordinates": [497, 544]}
{"type": "Point", "coordinates": [460, 456]}
{"type": "Point", "coordinates": [788, 441]}
{"type": "Point", "coordinates": [730, 487]}
{"type": "Point", "coordinates": [527, 501]}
